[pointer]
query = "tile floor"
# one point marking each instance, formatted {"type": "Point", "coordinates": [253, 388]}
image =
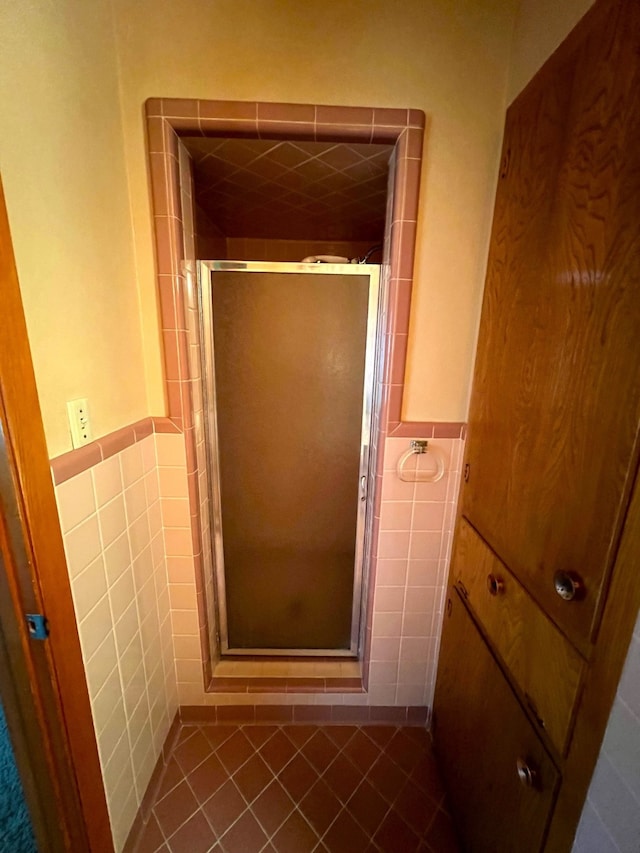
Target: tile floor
{"type": "Point", "coordinates": [299, 789]}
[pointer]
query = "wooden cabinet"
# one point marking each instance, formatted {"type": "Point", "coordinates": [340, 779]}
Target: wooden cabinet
{"type": "Point", "coordinates": [556, 399]}
{"type": "Point", "coordinates": [542, 662]}
{"type": "Point", "coordinates": [554, 427]}
{"type": "Point", "coordinates": [490, 746]}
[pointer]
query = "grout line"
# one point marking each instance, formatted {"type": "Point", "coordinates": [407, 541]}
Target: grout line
{"type": "Point", "coordinates": [619, 698]}
{"type": "Point", "coordinates": [617, 773]}
{"type": "Point", "coordinates": [276, 777]}
{"type": "Point", "coordinates": [603, 825]}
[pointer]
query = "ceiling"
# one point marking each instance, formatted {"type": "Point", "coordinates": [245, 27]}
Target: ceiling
{"type": "Point", "coordinates": [269, 189]}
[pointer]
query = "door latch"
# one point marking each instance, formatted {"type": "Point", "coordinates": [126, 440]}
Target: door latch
{"type": "Point", "coordinates": [37, 625]}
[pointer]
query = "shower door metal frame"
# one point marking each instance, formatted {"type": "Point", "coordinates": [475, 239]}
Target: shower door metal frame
{"type": "Point", "coordinates": [205, 271]}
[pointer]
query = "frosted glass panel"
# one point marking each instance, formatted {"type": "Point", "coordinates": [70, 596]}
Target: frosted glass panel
{"type": "Point", "coordinates": [289, 352]}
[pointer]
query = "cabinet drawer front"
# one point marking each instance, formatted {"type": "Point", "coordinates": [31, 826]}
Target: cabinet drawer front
{"type": "Point", "coordinates": [482, 735]}
{"type": "Point", "coordinates": [544, 665]}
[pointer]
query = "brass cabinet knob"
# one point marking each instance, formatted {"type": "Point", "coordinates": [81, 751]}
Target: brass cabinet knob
{"type": "Point", "coordinates": [568, 585]}
{"type": "Point", "coordinates": [495, 585]}
{"type": "Point", "coordinates": [527, 775]}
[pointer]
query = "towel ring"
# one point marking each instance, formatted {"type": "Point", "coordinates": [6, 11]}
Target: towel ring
{"type": "Point", "coordinates": [419, 447]}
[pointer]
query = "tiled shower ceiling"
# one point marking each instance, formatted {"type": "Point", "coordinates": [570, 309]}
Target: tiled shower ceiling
{"type": "Point", "coordinates": [268, 189]}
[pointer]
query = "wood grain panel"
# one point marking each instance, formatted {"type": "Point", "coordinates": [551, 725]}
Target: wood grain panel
{"type": "Point", "coordinates": [601, 682]}
{"type": "Point", "coordinates": [543, 664]}
{"type": "Point", "coordinates": [556, 401]}
{"type": "Point", "coordinates": [480, 733]}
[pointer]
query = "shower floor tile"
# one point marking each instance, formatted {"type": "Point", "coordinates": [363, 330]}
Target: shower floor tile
{"type": "Point", "coordinates": [300, 789]}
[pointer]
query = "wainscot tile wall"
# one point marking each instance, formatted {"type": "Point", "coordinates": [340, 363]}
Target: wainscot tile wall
{"type": "Point", "coordinates": [414, 546]}
{"type": "Point", "coordinates": [122, 522]}
{"type": "Point", "coordinates": [124, 511]}
{"type": "Point", "coordinates": [415, 528]}
{"type": "Point", "coordinates": [610, 820]}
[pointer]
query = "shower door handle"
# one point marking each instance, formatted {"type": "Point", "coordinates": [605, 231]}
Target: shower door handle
{"type": "Point", "coordinates": [363, 488]}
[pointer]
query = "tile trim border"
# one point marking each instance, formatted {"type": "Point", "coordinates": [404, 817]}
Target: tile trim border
{"type": "Point", "coordinates": [76, 461]}
{"type": "Point", "coordinates": [428, 429]}
{"type": "Point", "coordinates": [257, 684]}
{"type": "Point", "coordinates": [81, 459]}
{"type": "Point", "coordinates": [170, 118]}
{"type": "Point", "coordinates": [356, 715]}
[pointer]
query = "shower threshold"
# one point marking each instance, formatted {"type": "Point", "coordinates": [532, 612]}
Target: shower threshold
{"type": "Point", "coordinates": [282, 668]}
{"type": "Point", "coordinates": [290, 653]}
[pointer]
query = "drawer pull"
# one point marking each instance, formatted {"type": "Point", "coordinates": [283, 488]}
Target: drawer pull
{"type": "Point", "coordinates": [527, 776]}
{"type": "Point", "coordinates": [568, 585]}
{"type": "Point", "coordinates": [495, 585]}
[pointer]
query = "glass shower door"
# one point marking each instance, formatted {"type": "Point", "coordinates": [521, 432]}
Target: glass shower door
{"type": "Point", "coordinates": [290, 368]}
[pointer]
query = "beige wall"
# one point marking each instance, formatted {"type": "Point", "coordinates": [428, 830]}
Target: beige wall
{"type": "Point", "coordinates": [63, 168]}
{"type": "Point", "coordinates": [62, 155]}
{"type": "Point", "coordinates": [541, 25]}
{"type": "Point", "coordinates": [447, 58]}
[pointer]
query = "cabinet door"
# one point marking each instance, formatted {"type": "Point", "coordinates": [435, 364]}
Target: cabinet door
{"type": "Point", "coordinates": [542, 662]}
{"type": "Point", "coordinates": [481, 733]}
{"type": "Point", "coordinates": [556, 402]}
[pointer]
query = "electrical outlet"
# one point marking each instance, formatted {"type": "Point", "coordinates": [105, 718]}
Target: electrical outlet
{"type": "Point", "coordinates": [79, 421]}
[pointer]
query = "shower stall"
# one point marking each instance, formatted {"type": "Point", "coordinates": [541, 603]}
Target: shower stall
{"type": "Point", "coordinates": [289, 355]}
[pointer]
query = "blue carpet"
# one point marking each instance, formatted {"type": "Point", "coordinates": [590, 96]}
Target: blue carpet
{"type": "Point", "coordinates": [16, 835]}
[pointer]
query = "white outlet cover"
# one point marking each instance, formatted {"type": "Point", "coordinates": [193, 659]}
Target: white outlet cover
{"type": "Point", "coordinates": [79, 422]}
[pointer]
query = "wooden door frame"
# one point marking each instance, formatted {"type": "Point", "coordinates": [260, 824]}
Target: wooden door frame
{"type": "Point", "coordinates": [23, 709]}
{"type": "Point", "coordinates": [44, 688]}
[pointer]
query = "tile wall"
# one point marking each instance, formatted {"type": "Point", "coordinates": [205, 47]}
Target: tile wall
{"type": "Point", "coordinates": [416, 521]}
{"type": "Point", "coordinates": [293, 251]}
{"type": "Point", "coordinates": [172, 195]}
{"type": "Point", "coordinates": [414, 545]}
{"type": "Point", "coordinates": [168, 119]}
{"type": "Point", "coordinates": [212, 244]}
{"type": "Point", "coordinates": [199, 481]}
{"type": "Point", "coordinates": [123, 529]}
{"type": "Point", "coordinates": [413, 522]}
{"type": "Point", "coordinates": [296, 189]}
{"type": "Point", "coordinates": [610, 820]}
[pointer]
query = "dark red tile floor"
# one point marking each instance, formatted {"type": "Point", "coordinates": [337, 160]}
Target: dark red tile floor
{"type": "Point", "coordinates": [300, 789]}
